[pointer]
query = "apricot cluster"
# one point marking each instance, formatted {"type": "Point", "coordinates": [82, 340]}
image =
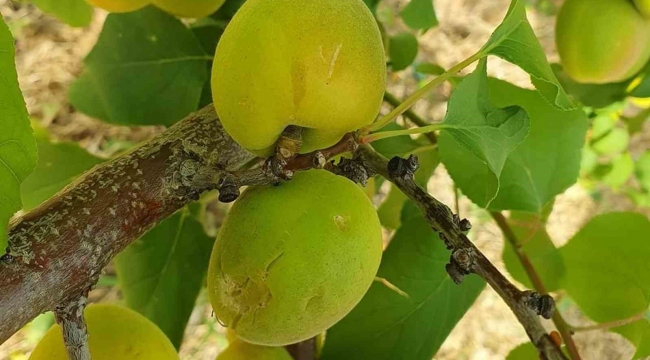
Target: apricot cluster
{"type": "Point", "coordinates": [292, 260]}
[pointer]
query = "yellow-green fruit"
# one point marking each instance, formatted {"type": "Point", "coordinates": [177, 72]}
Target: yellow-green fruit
{"type": "Point", "coordinates": [290, 261]}
{"type": "Point", "coordinates": [311, 63]}
{"type": "Point", "coordinates": [602, 41]}
{"type": "Point", "coordinates": [114, 333]}
{"type": "Point", "coordinates": [241, 350]}
{"type": "Point", "coordinates": [644, 7]}
{"type": "Point", "coordinates": [119, 6]}
{"type": "Point", "coordinates": [189, 8]}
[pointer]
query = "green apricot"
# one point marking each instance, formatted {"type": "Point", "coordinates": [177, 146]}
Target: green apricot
{"type": "Point", "coordinates": [241, 350]}
{"type": "Point", "coordinates": [114, 333]}
{"type": "Point", "coordinates": [291, 261]}
{"type": "Point", "coordinates": [315, 64]}
{"type": "Point", "coordinates": [602, 41]}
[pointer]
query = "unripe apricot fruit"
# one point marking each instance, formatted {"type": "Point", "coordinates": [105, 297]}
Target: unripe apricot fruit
{"type": "Point", "coordinates": [602, 41]}
{"type": "Point", "coordinates": [291, 261]}
{"type": "Point", "coordinates": [119, 6]}
{"type": "Point", "coordinates": [114, 333]}
{"type": "Point", "coordinates": [189, 8]}
{"type": "Point", "coordinates": [644, 7]}
{"type": "Point", "coordinates": [315, 64]}
{"type": "Point", "coordinates": [241, 350]}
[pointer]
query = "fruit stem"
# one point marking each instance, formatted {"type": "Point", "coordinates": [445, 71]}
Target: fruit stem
{"type": "Point", "coordinates": [406, 104]}
{"type": "Point", "coordinates": [388, 134]}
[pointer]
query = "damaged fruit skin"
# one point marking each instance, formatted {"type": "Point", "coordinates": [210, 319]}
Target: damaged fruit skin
{"type": "Point", "coordinates": [291, 261]}
{"type": "Point", "coordinates": [315, 64]}
{"type": "Point", "coordinates": [114, 333]}
{"type": "Point", "coordinates": [241, 350]}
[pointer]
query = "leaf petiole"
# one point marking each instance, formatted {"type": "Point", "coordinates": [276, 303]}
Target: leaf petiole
{"type": "Point", "coordinates": [406, 104]}
{"type": "Point", "coordinates": [417, 130]}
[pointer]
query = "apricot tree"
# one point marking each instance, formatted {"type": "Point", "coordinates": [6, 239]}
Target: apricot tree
{"type": "Point", "coordinates": [297, 268]}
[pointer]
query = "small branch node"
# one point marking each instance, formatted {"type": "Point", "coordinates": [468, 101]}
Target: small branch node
{"type": "Point", "coordinates": [7, 258]}
{"type": "Point", "coordinates": [543, 305]}
{"type": "Point", "coordinates": [228, 188]}
{"type": "Point", "coordinates": [353, 169]}
{"type": "Point", "coordinates": [456, 273]}
{"type": "Point", "coordinates": [400, 168]}
{"type": "Point", "coordinates": [290, 142]}
{"type": "Point", "coordinates": [463, 224]}
{"type": "Point", "coordinates": [319, 160]}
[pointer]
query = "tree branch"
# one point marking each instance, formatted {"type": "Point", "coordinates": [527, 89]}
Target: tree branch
{"type": "Point", "coordinates": [558, 320]}
{"type": "Point", "coordinates": [465, 257]}
{"type": "Point", "coordinates": [57, 249]}
{"type": "Point", "coordinates": [75, 334]}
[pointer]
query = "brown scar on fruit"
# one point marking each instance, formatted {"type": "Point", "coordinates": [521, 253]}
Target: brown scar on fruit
{"type": "Point", "coordinates": [341, 223]}
{"type": "Point", "coordinates": [248, 296]}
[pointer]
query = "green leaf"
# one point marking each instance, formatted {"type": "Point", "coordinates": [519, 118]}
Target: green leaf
{"type": "Point", "coordinates": [544, 165]}
{"type": "Point", "coordinates": [530, 230]}
{"type": "Point", "coordinates": [638, 333]}
{"type": "Point", "coordinates": [607, 267]}
{"type": "Point", "coordinates": [161, 274]}
{"type": "Point", "coordinates": [390, 211]}
{"type": "Point", "coordinates": [643, 170]}
{"type": "Point", "coordinates": [515, 42]}
{"type": "Point", "coordinates": [76, 13]}
{"type": "Point", "coordinates": [228, 10]}
{"type": "Point", "coordinates": [429, 69]}
{"type": "Point", "coordinates": [388, 325]}
{"type": "Point", "coordinates": [419, 15]}
{"type": "Point", "coordinates": [593, 95]}
{"type": "Point", "coordinates": [147, 68]}
{"type": "Point", "coordinates": [58, 164]}
{"type": "Point", "coordinates": [403, 49]}
{"type": "Point", "coordinates": [488, 132]}
{"type": "Point", "coordinates": [526, 351]}
{"type": "Point", "coordinates": [208, 32]}
{"type": "Point", "coordinates": [18, 154]}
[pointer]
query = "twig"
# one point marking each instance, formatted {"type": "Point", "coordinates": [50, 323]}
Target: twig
{"type": "Point", "coordinates": [412, 116]}
{"type": "Point", "coordinates": [282, 166]}
{"type": "Point", "coordinates": [304, 350]}
{"type": "Point", "coordinates": [558, 320]}
{"type": "Point", "coordinates": [70, 317]}
{"type": "Point", "coordinates": [609, 324]}
{"type": "Point", "coordinates": [465, 257]}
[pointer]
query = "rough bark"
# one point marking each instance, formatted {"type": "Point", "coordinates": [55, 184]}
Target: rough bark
{"type": "Point", "coordinates": [58, 249]}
